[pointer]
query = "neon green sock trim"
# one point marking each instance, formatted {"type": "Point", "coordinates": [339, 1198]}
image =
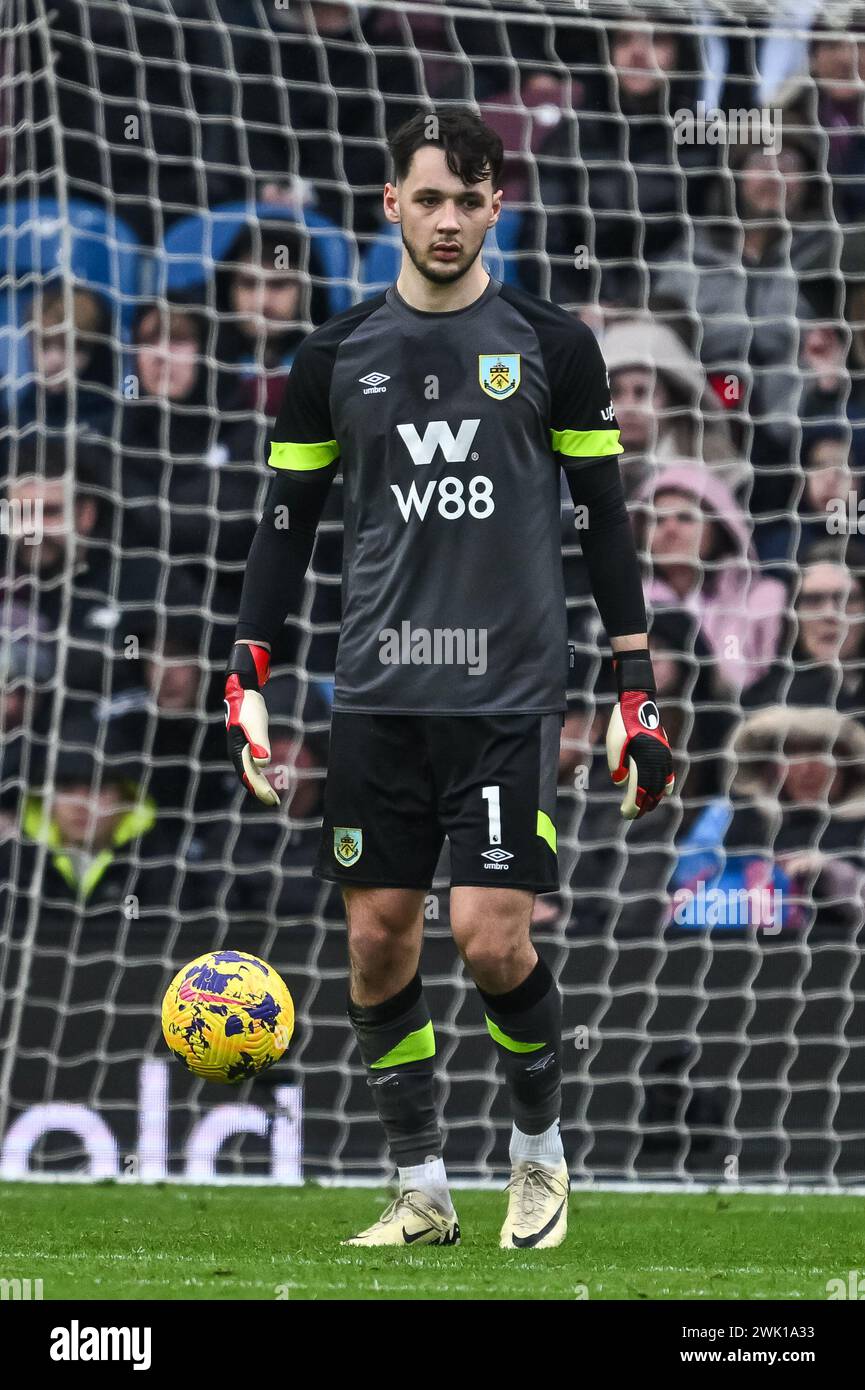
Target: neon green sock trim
{"type": "Point", "coordinates": [510, 1043]}
{"type": "Point", "coordinates": [547, 830]}
{"type": "Point", "coordinates": [414, 1047]}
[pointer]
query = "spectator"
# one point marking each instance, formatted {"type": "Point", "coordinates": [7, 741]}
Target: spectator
{"type": "Point", "coordinates": [822, 659]}
{"type": "Point", "coordinates": [104, 838]}
{"type": "Point", "coordinates": [664, 406]}
{"type": "Point", "coordinates": [63, 556]}
{"type": "Point", "coordinates": [821, 507]}
{"type": "Point", "coordinates": [191, 482]}
{"type": "Point", "coordinates": [828, 484]}
{"type": "Point", "coordinates": [702, 560]}
{"type": "Point", "coordinates": [74, 364]}
{"type": "Point", "coordinates": [636, 183]}
{"type": "Point", "coordinates": [793, 825]}
{"type": "Point", "coordinates": [127, 112]}
{"type": "Point", "coordinates": [263, 296]}
{"type": "Point", "coordinates": [746, 277]}
{"type": "Point", "coordinates": [294, 76]}
{"type": "Point", "coordinates": [828, 100]}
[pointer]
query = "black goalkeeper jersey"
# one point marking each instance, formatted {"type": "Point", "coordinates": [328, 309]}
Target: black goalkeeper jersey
{"type": "Point", "coordinates": [451, 429]}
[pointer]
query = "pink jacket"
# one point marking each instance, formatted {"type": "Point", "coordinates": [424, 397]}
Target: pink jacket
{"type": "Point", "coordinates": [741, 613]}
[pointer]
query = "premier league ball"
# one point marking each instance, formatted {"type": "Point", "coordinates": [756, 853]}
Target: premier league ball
{"type": "Point", "coordinates": [227, 1016]}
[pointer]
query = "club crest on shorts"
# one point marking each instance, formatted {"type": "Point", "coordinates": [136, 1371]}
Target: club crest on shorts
{"type": "Point", "coordinates": [347, 845]}
{"type": "Point", "coordinates": [499, 373]}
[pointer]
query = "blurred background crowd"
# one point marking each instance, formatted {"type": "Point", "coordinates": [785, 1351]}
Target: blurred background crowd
{"type": "Point", "coordinates": [191, 188]}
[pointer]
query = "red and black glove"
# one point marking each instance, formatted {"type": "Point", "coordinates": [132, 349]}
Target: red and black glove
{"type": "Point", "coordinates": [638, 754]}
{"type": "Point", "coordinates": [246, 718]}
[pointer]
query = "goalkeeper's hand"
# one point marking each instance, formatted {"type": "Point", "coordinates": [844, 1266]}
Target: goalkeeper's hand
{"type": "Point", "coordinates": [638, 754]}
{"type": "Point", "coordinates": [246, 718]}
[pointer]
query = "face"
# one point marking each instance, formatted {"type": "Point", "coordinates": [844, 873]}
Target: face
{"type": "Point", "coordinates": [772, 185]}
{"type": "Point", "coordinates": [42, 501]}
{"type": "Point", "coordinates": [639, 397]}
{"type": "Point", "coordinates": [642, 60]}
{"type": "Point", "coordinates": [836, 64]}
{"type": "Point", "coordinates": [168, 362]}
{"type": "Point", "coordinates": [443, 220]}
{"type": "Point", "coordinates": [265, 300]}
{"type": "Point", "coordinates": [830, 611]}
{"type": "Point", "coordinates": [87, 818]}
{"type": "Point", "coordinates": [810, 777]}
{"type": "Point", "coordinates": [293, 768]}
{"type": "Point", "coordinates": [173, 679]}
{"type": "Point", "coordinates": [828, 475]}
{"type": "Point", "coordinates": [58, 356]}
{"type": "Point", "coordinates": [678, 530]}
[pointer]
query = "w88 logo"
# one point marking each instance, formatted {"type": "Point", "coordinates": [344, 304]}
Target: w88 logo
{"type": "Point", "coordinates": [454, 498]}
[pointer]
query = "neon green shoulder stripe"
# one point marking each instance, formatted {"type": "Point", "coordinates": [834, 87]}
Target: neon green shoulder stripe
{"type": "Point", "coordinates": [302, 458]}
{"type": "Point", "coordinates": [586, 444]}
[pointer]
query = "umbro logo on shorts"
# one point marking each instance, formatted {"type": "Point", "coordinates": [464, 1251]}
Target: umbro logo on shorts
{"type": "Point", "coordinates": [497, 858]}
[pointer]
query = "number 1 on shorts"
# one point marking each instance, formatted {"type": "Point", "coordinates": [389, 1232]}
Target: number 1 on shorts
{"type": "Point", "coordinates": [493, 797]}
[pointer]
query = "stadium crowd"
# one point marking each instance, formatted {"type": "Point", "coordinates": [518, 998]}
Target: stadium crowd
{"type": "Point", "coordinates": [726, 283]}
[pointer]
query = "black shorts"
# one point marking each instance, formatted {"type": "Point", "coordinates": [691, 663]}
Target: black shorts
{"type": "Point", "coordinates": [397, 784]}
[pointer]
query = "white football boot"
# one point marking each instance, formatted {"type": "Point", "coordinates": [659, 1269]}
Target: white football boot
{"type": "Point", "coordinates": [412, 1219]}
{"type": "Point", "coordinates": [537, 1216]}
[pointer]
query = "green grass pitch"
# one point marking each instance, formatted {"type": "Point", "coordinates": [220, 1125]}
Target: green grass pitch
{"type": "Point", "coordinates": [114, 1240]}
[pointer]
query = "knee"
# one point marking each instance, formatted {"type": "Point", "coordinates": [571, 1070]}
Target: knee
{"type": "Point", "coordinates": [490, 957]}
{"type": "Point", "coordinates": [378, 930]}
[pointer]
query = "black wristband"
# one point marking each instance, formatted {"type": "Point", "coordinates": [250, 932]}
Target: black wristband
{"type": "Point", "coordinates": [634, 671]}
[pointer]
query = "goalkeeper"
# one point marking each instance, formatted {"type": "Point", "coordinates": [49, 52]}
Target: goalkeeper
{"type": "Point", "coordinates": [451, 402]}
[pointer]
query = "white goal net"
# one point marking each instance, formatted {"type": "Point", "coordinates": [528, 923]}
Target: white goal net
{"type": "Point", "coordinates": [189, 187]}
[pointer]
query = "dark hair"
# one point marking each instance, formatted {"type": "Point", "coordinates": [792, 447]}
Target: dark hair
{"type": "Point", "coordinates": [261, 241]}
{"type": "Point", "coordinates": [846, 551]}
{"type": "Point", "coordinates": [47, 458]}
{"type": "Point", "coordinates": [473, 150]}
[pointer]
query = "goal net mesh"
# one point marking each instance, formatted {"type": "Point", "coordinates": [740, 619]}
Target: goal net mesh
{"type": "Point", "coordinates": [190, 186]}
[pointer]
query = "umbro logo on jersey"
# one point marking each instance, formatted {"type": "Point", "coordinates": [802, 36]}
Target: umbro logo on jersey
{"type": "Point", "coordinates": [648, 715]}
{"type": "Point", "coordinates": [374, 383]}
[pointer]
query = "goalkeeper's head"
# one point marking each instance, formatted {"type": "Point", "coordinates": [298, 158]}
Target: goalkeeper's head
{"type": "Point", "coordinates": [445, 193]}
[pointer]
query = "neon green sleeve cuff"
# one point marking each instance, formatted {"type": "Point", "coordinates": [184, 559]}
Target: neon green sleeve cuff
{"type": "Point", "coordinates": [302, 458]}
{"type": "Point", "coordinates": [586, 443]}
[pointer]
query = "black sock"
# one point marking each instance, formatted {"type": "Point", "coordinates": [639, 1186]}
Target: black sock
{"type": "Point", "coordinates": [398, 1048]}
{"type": "Point", "coordinates": [526, 1027]}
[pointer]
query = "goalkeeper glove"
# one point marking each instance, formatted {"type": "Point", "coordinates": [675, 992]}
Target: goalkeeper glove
{"type": "Point", "coordinates": [638, 753]}
{"type": "Point", "coordinates": [246, 718]}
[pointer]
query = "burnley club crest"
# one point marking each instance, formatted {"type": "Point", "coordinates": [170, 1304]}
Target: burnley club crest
{"type": "Point", "coordinates": [499, 374]}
